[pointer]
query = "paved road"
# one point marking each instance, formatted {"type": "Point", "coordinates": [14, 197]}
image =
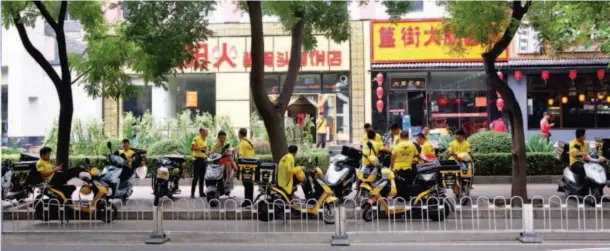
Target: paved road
{"type": "Point", "coordinates": [484, 246]}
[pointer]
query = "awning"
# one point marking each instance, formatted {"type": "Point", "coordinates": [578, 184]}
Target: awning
{"type": "Point", "coordinates": [512, 63]}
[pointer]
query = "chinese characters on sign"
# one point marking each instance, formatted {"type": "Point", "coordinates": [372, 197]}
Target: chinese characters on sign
{"type": "Point", "coordinates": [419, 41]}
{"type": "Point", "coordinates": [408, 83]}
{"type": "Point", "coordinates": [233, 54]}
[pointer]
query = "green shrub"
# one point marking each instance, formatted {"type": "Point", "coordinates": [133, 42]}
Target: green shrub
{"type": "Point", "coordinates": [167, 146]}
{"type": "Point", "coordinates": [103, 149]}
{"type": "Point", "coordinates": [261, 147]}
{"type": "Point", "coordinates": [539, 144]}
{"type": "Point", "coordinates": [490, 142]}
{"type": "Point", "coordinates": [500, 164]}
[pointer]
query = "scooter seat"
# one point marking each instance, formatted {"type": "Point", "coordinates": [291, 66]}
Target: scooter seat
{"type": "Point", "coordinates": [450, 168]}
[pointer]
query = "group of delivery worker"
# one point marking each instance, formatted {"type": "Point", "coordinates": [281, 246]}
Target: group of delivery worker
{"type": "Point", "coordinates": [404, 153]}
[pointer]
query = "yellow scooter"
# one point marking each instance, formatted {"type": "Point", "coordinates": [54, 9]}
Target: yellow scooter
{"type": "Point", "coordinates": [51, 200]}
{"type": "Point", "coordinates": [425, 197]}
{"type": "Point", "coordinates": [319, 198]}
{"type": "Point", "coordinates": [458, 174]}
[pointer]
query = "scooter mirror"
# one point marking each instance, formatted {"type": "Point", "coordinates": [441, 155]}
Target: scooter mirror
{"type": "Point", "coordinates": [109, 145]}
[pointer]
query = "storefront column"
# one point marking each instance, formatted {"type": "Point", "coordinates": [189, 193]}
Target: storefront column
{"type": "Point", "coordinates": [519, 88]}
{"type": "Point", "coordinates": [359, 44]}
{"type": "Point", "coordinates": [112, 112]}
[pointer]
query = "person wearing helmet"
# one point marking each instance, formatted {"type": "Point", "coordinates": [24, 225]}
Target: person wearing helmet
{"type": "Point", "coordinates": [286, 170]}
{"type": "Point", "coordinates": [459, 146]}
{"type": "Point", "coordinates": [55, 175]}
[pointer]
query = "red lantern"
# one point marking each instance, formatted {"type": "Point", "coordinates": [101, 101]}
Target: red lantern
{"type": "Point", "coordinates": [457, 101]}
{"type": "Point", "coordinates": [518, 75]}
{"type": "Point", "coordinates": [500, 75]}
{"type": "Point", "coordinates": [442, 101]}
{"type": "Point", "coordinates": [500, 104]}
{"type": "Point", "coordinates": [572, 74]}
{"type": "Point", "coordinates": [379, 105]}
{"type": "Point", "coordinates": [379, 92]}
{"type": "Point", "coordinates": [545, 75]}
{"type": "Point", "coordinates": [600, 74]}
{"type": "Point", "coordinates": [379, 79]}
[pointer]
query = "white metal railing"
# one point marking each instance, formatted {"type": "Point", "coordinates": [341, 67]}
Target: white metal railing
{"type": "Point", "coordinates": [481, 214]}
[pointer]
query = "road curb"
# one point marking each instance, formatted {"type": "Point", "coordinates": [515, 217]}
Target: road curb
{"type": "Point", "coordinates": [97, 236]}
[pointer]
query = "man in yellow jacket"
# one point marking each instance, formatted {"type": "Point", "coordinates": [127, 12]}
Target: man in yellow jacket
{"type": "Point", "coordinates": [368, 127]}
{"type": "Point", "coordinates": [246, 150]}
{"type": "Point", "coordinates": [426, 149]}
{"type": "Point", "coordinates": [403, 155]}
{"type": "Point", "coordinates": [287, 169]}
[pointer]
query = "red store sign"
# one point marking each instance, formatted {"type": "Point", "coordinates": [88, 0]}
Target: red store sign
{"type": "Point", "coordinates": [233, 55]}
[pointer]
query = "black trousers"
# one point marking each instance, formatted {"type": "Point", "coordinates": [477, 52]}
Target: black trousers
{"type": "Point", "coordinates": [579, 169]}
{"type": "Point", "coordinates": [199, 167]}
{"type": "Point", "coordinates": [61, 178]}
{"type": "Point", "coordinates": [248, 191]}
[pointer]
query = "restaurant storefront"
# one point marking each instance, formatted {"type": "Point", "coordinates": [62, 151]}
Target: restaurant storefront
{"type": "Point", "coordinates": [424, 83]}
{"type": "Point", "coordinates": [324, 81]}
{"type": "Point", "coordinates": [575, 92]}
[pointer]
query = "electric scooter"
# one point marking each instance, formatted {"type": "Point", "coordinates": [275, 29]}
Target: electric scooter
{"type": "Point", "coordinates": [426, 197]}
{"type": "Point", "coordinates": [341, 173]}
{"type": "Point", "coordinates": [118, 174]}
{"type": "Point", "coordinates": [216, 182]}
{"type": "Point", "coordinates": [274, 200]}
{"type": "Point", "coordinates": [16, 177]}
{"type": "Point", "coordinates": [594, 181]}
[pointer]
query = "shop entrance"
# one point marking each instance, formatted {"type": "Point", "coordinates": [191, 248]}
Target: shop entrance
{"type": "Point", "coordinates": [407, 103]}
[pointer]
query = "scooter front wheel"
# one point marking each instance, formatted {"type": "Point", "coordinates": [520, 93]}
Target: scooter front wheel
{"type": "Point", "coordinates": [328, 214]}
{"type": "Point", "coordinates": [107, 212]}
{"type": "Point", "coordinates": [368, 214]}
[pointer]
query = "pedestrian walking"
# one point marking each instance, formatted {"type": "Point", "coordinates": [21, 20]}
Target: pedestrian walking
{"type": "Point", "coordinates": [199, 149]}
{"type": "Point", "coordinates": [545, 126]}
{"type": "Point", "coordinates": [321, 125]}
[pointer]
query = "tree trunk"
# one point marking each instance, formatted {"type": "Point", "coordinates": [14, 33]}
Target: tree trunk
{"type": "Point", "coordinates": [66, 109]}
{"type": "Point", "coordinates": [511, 106]}
{"type": "Point", "coordinates": [273, 113]}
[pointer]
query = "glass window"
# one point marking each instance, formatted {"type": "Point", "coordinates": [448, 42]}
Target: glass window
{"type": "Point", "coordinates": [466, 110]}
{"type": "Point", "coordinates": [272, 84]}
{"type": "Point", "coordinates": [457, 81]}
{"type": "Point", "coordinates": [417, 6]}
{"type": "Point", "coordinates": [140, 102]}
{"type": "Point", "coordinates": [306, 83]}
{"type": "Point", "coordinates": [581, 103]}
{"type": "Point", "coordinates": [201, 92]}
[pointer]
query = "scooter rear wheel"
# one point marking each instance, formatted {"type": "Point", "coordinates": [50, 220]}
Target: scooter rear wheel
{"type": "Point", "coordinates": [328, 214]}
{"type": "Point", "coordinates": [368, 214]}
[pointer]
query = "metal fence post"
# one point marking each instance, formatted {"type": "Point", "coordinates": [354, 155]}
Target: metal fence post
{"type": "Point", "coordinates": [339, 238]}
{"type": "Point", "coordinates": [158, 236]}
{"type": "Point", "coordinates": [528, 235]}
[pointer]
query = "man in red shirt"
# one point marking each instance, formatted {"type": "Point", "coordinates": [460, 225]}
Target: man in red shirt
{"type": "Point", "coordinates": [545, 127]}
{"type": "Point", "coordinates": [498, 125]}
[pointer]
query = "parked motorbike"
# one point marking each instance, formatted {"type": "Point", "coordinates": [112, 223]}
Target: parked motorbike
{"type": "Point", "coordinates": [49, 203]}
{"type": "Point", "coordinates": [458, 175]}
{"type": "Point", "coordinates": [595, 179]}
{"type": "Point", "coordinates": [274, 200]}
{"type": "Point", "coordinates": [341, 173]}
{"type": "Point", "coordinates": [17, 177]}
{"type": "Point", "coordinates": [119, 175]}
{"type": "Point", "coordinates": [426, 197]}
{"type": "Point", "coordinates": [165, 181]}
{"type": "Point", "coordinates": [216, 182]}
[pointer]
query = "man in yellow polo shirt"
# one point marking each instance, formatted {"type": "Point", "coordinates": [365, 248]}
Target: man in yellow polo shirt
{"type": "Point", "coordinates": [396, 133]}
{"type": "Point", "coordinates": [321, 125]}
{"type": "Point", "coordinates": [127, 152]}
{"type": "Point", "coordinates": [368, 127]}
{"type": "Point", "coordinates": [403, 155]}
{"type": "Point", "coordinates": [54, 175]}
{"type": "Point", "coordinates": [199, 149]}
{"type": "Point", "coordinates": [578, 153]}
{"type": "Point", "coordinates": [458, 146]}
{"type": "Point", "coordinates": [246, 150]}
{"type": "Point", "coordinates": [426, 148]}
